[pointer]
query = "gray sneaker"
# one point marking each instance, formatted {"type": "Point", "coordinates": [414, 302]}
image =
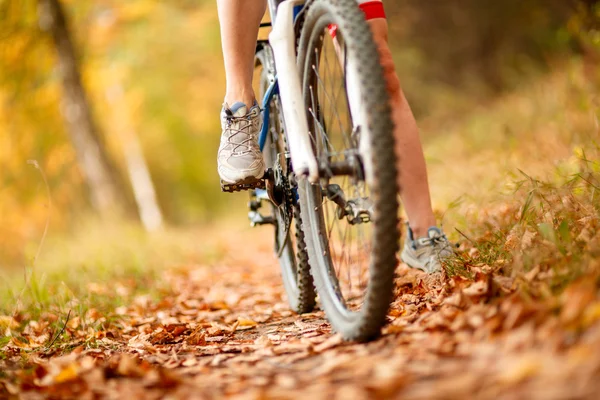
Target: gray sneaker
{"type": "Point", "coordinates": [428, 252]}
{"type": "Point", "coordinates": [239, 159]}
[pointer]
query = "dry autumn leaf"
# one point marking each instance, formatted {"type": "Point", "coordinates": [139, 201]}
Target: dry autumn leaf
{"type": "Point", "coordinates": [8, 322]}
{"type": "Point", "coordinates": [476, 289]}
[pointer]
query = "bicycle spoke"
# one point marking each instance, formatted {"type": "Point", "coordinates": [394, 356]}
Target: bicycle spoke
{"type": "Point", "coordinates": [330, 100]}
{"type": "Point", "coordinates": [332, 125]}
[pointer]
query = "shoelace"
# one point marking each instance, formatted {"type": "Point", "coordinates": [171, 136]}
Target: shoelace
{"type": "Point", "coordinates": [433, 241]}
{"type": "Point", "coordinates": [244, 129]}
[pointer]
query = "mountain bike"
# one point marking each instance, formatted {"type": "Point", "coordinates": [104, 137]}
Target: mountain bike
{"type": "Point", "coordinates": [330, 189]}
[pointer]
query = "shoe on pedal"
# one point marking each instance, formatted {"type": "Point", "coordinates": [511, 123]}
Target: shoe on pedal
{"type": "Point", "coordinates": [426, 253]}
{"type": "Point", "coordinates": [239, 160]}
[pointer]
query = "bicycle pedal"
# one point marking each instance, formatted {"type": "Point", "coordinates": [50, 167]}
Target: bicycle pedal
{"type": "Point", "coordinates": [242, 186]}
{"type": "Point", "coordinates": [257, 219]}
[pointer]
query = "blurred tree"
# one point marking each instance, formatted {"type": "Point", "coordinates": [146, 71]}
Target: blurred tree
{"type": "Point", "coordinates": [584, 27]}
{"type": "Point", "coordinates": [477, 48]}
{"type": "Point", "coordinates": [107, 194]}
{"type": "Point", "coordinates": [136, 165]}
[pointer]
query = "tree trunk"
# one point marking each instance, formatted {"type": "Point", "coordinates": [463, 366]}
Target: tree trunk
{"type": "Point", "coordinates": [137, 167]}
{"type": "Point", "coordinates": [106, 193]}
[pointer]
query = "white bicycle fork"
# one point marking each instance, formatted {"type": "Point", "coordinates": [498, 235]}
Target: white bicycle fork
{"type": "Point", "coordinates": [282, 41]}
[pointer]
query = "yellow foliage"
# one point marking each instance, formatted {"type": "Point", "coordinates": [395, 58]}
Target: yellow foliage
{"type": "Point", "coordinates": [136, 10]}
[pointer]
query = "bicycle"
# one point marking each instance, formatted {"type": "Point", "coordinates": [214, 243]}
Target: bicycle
{"type": "Point", "coordinates": [331, 179]}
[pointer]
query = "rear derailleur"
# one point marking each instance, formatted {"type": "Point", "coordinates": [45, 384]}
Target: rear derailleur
{"type": "Point", "coordinates": [356, 211]}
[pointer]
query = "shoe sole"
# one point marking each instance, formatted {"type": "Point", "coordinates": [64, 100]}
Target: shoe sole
{"type": "Point", "coordinates": [414, 263]}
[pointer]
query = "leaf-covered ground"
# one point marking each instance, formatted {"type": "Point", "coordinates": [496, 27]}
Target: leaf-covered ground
{"type": "Point", "coordinates": [225, 329]}
{"type": "Point", "coordinates": [516, 314]}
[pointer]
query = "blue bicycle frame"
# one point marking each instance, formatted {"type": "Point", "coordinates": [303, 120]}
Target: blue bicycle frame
{"type": "Point", "coordinates": [271, 91]}
{"type": "Point", "coordinates": [274, 88]}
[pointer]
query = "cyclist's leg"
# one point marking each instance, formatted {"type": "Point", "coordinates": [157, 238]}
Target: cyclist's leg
{"type": "Point", "coordinates": [413, 177]}
{"type": "Point", "coordinates": [239, 159]}
{"type": "Point", "coordinates": [239, 21]}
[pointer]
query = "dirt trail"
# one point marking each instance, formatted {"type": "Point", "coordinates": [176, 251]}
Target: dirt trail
{"type": "Point", "coordinates": [225, 330]}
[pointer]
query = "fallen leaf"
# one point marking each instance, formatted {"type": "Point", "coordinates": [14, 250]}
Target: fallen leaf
{"type": "Point", "coordinates": [67, 374]}
{"type": "Point", "coordinates": [246, 323]}
{"type": "Point", "coordinates": [476, 289]}
{"type": "Point", "coordinates": [530, 276]}
{"type": "Point", "coordinates": [330, 343]}
{"type": "Point", "coordinates": [8, 322]}
{"type": "Point", "coordinates": [520, 369]}
{"type": "Point", "coordinates": [190, 362]}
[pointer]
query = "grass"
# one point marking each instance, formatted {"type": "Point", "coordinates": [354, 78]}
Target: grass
{"type": "Point", "coordinates": [521, 182]}
{"type": "Point", "coordinates": [552, 227]}
{"type": "Point", "coordinates": [96, 269]}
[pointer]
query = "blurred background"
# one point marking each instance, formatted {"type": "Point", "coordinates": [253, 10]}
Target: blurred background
{"type": "Point", "coordinates": [137, 139]}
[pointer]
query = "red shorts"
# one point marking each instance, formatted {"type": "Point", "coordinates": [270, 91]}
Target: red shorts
{"type": "Point", "coordinates": [372, 8]}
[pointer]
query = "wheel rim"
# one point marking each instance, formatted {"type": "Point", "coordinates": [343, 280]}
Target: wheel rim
{"type": "Point", "coordinates": [338, 135]}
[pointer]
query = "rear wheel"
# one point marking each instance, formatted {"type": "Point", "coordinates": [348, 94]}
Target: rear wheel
{"type": "Point", "coordinates": [350, 217]}
{"type": "Point", "coordinates": [289, 237]}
